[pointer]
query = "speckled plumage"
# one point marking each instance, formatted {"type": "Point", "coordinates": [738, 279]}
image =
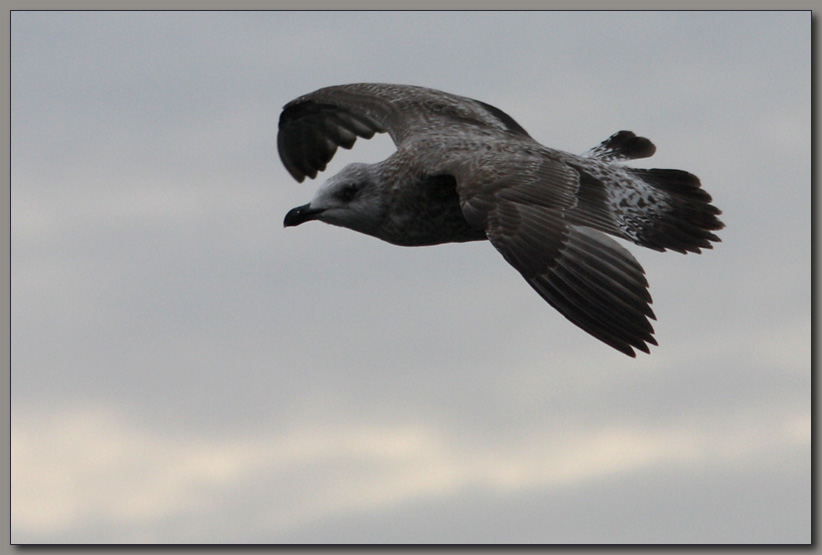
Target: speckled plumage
{"type": "Point", "coordinates": [466, 171]}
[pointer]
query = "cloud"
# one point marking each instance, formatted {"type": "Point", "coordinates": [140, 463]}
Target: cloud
{"type": "Point", "coordinates": [86, 464]}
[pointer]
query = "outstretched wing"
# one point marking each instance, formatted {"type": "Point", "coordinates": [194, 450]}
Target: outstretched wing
{"type": "Point", "coordinates": [313, 126]}
{"type": "Point", "coordinates": [588, 277]}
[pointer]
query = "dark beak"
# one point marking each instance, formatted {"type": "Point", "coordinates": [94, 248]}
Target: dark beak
{"type": "Point", "coordinates": [301, 214]}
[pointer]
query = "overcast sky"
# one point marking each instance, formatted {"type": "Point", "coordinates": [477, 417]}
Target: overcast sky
{"type": "Point", "coordinates": [186, 370]}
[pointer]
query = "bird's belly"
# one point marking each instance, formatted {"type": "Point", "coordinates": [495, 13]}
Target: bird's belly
{"type": "Point", "coordinates": [430, 227]}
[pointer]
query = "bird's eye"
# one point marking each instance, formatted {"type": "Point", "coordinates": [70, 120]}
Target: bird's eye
{"type": "Point", "coordinates": [350, 191]}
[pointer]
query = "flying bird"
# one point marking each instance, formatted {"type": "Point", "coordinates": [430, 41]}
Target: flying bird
{"type": "Point", "coordinates": [464, 170]}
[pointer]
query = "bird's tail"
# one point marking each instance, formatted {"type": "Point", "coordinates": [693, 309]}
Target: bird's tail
{"type": "Point", "coordinates": [659, 209]}
{"type": "Point", "coordinates": [682, 218]}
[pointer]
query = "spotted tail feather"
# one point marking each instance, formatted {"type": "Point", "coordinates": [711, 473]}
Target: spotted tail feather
{"type": "Point", "coordinates": [684, 222]}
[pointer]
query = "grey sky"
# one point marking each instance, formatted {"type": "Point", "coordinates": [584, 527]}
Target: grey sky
{"type": "Point", "coordinates": [186, 370]}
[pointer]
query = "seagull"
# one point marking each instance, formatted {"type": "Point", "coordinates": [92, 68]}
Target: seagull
{"type": "Point", "coordinates": [464, 170]}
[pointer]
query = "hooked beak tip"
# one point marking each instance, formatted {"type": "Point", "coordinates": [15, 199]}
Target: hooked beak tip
{"type": "Point", "coordinates": [301, 214]}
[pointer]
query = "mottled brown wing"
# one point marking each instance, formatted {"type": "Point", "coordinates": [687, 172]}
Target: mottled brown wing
{"type": "Point", "coordinates": [588, 277]}
{"type": "Point", "coordinates": [312, 126]}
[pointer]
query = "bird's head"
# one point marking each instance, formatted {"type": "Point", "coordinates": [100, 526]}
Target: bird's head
{"type": "Point", "coordinates": [349, 199]}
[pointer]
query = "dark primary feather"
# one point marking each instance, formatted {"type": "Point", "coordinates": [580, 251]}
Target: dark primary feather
{"type": "Point", "coordinates": [310, 132]}
{"type": "Point", "coordinates": [588, 277]}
